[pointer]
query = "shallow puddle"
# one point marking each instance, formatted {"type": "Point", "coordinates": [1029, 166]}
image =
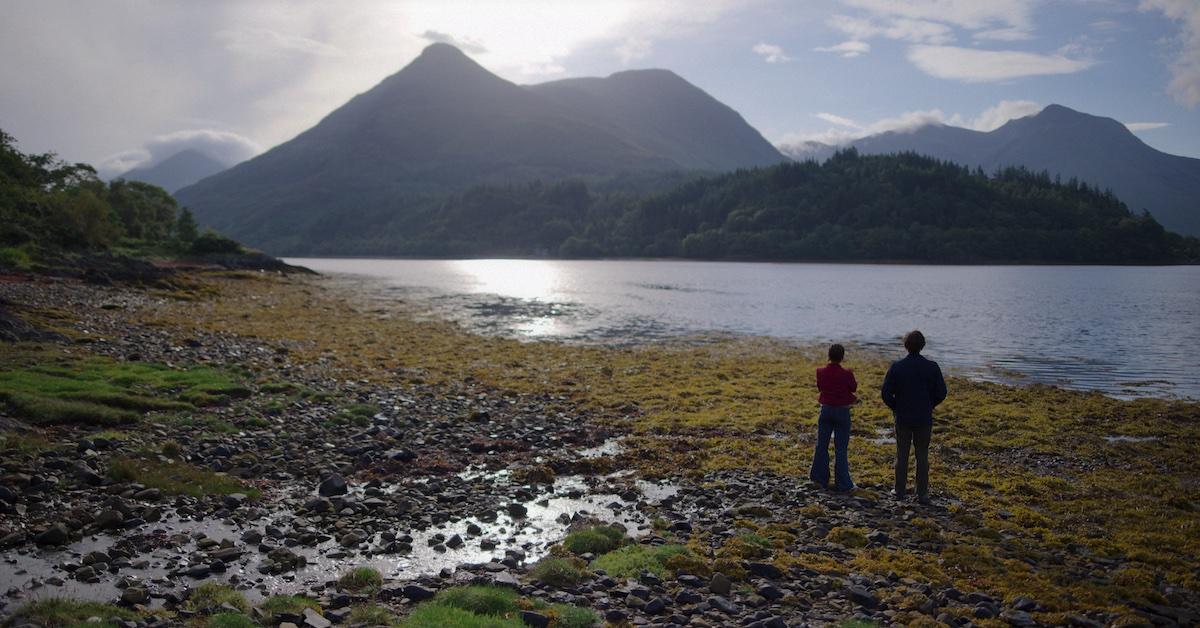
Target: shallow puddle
{"type": "Point", "coordinates": [546, 521]}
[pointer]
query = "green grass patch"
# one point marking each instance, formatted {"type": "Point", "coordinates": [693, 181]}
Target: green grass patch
{"type": "Point", "coordinates": [59, 388]}
{"type": "Point", "coordinates": [567, 616]}
{"type": "Point", "coordinates": [62, 612]}
{"type": "Point", "coordinates": [230, 620]}
{"type": "Point", "coordinates": [482, 600]}
{"type": "Point", "coordinates": [441, 616]}
{"type": "Point", "coordinates": [358, 414]}
{"type": "Point", "coordinates": [209, 596]}
{"type": "Point", "coordinates": [278, 388]}
{"type": "Point", "coordinates": [177, 478]}
{"type": "Point", "coordinates": [597, 540]}
{"type": "Point", "coordinates": [286, 604]}
{"type": "Point", "coordinates": [24, 443]}
{"type": "Point", "coordinates": [558, 572]}
{"type": "Point", "coordinates": [631, 560]}
{"type": "Point", "coordinates": [15, 257]}
{"type": "Point", "coordinates": [503, 604]}
{"type": "Point", "coordinates": [372, 615]}
{"type": "Point", "coordinates": [361, 580]}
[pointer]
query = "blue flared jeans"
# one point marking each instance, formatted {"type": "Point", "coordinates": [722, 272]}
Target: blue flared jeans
{"type": "Point", "coordinates": [835, 421]}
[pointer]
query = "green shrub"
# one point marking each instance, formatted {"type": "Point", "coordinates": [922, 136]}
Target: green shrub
{"type": "Point", "coordinates": [557, 572]}
{"type": "Point", "coordinates": [632, 560]}
{"type": "Point", "coordinates": [15, 257]}
{"type": "Point", "coordinates": [210, 596]}
{"type": "Point", "coordinates": [361, 580]}
{"type": "Point", "coordinates": [598, 540]}
{"type": "Point", "coordinates": [286, 604]}
{"type": "Point", "coordinates": [371, 615]}
{"type": "Point", "coordinates": [848, 537]}
{"type": "Point", "coordinates": [212, 242]}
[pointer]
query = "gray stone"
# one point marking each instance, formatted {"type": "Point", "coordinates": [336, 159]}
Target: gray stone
{"type": "Point", "coordinates": [862, 597]}
{"type": "Point", "coordinates": [723, 605]}
{"type": "Point", "coordinates": [333, 485]}
{"type": "Point", "coordinates": [313, 619]}
{"type": "Point", "coordinates": [506, 579]}
{"type": "Point", "coordinates": [720, 584]}
{"type": "Point", "coordinates": [764, 570]}
{"type": "Point", "coordinates": [111, 518]}
{"type": "Point", "coordinates": [57, 534]}
{"type": "Point", "coordinates": [417, 593]}
{"type": "Point", "coordinates": [135, 595]}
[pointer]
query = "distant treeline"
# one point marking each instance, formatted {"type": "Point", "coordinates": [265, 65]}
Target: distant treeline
{"type": "Point", "coordinates": [49, 207]}
{"type": "Point", "coordinates": [852, 207]}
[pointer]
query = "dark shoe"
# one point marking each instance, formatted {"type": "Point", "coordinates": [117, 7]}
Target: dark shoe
{"type": "Point", "coordinates": [898, 496]}
{"type": "Point", "coordinates": [846, 490]}
{"type": "Point", "coordinates": [924, 500]}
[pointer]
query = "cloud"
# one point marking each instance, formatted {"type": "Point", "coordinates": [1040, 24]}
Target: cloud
{"type": "Point", "coordinates": [838, 120]}
{"type": "Point", "coordinates": [1145, 126]}
{"type": "Point", "coordinates": [848, 49]}
{"type": "Point", "coordinates": [466, 45]}
{"type": "Point", "coordinates": [970, 65]}
{"type": "Point", "coordinates": [1003, 34]}
{"type": "Point", "coordinates": [968, 14]}
{"type": "Point", "coordinates": [224, 146]}
{"type": "Point", "coordinates": [847, 130]}
{"type": "Point", "coordinates": [269, 42]}
{"type": "Point", "coordinates": [1185, 68]}
{"type": "Point", "coordinates": [902, 29]}
{"type": "Point", "coordinates": [771, 53]}
{"type": "Point", "coordinates": [995, 116]}
{"type": "Point", "coordinates": [632, 49]}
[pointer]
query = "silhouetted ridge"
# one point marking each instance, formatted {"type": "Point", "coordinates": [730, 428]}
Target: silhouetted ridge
{"type": "Point", "coordinates": [1072, 145]}
{"type": "Point", "coordinates": [444, 123]}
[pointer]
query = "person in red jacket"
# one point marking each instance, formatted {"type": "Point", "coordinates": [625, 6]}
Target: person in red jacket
{"type": "Point", "coordinates": [837, 387]}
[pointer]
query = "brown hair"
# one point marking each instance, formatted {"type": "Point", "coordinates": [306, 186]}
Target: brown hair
{"type": "Point", "coordinates": [914, 341]}
{"type": "Point", "coordinates": [836, 353]}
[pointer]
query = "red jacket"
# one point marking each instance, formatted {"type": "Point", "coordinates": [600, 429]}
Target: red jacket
{"type": "Point", "coordinates": [837, 385]}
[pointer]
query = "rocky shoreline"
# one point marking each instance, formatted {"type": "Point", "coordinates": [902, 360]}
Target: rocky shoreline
{"type": "Point", "coordinates": [442, 483]}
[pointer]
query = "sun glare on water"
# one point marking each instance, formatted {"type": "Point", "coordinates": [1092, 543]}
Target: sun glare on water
{"type": "Point", "coordinates": [520, 279]}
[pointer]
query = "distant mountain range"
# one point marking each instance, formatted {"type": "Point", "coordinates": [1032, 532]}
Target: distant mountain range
{"type": "Point", "coordinates": [1066, 143]}
{"type": "Point", "coordinates": [444, 123]}
{"type": "Point", "coordinates": [177, 171]}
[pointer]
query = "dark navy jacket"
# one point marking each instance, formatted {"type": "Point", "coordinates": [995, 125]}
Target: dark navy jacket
{"type": "Point", "coordinates": [911, 388]}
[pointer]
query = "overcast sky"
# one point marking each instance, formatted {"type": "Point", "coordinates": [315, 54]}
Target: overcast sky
{"type": "Point", "coordinates": [119, 83]}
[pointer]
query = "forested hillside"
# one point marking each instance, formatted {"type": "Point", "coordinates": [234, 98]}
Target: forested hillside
{"type": "Point", "coordinates": [852, 207]}
{"type": "Point", "coordinates": [55, 214]}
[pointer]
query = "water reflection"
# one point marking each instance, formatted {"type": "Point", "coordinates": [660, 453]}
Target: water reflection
{"type": "Point", "coordinates": [521, 279]}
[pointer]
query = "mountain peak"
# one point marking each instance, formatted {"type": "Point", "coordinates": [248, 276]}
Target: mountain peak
{"type": "Point", "coordinates": [441, 59]}
{"type": "Point", "coordinates": [441, 50]}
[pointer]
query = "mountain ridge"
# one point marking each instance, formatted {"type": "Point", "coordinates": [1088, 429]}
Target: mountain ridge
{"type": "Point", "coordinates": [1067, 143]}
{"type": "Point", "coordinates": [177, 171]}
{"type": "Point", "coordinates": [444, 123]}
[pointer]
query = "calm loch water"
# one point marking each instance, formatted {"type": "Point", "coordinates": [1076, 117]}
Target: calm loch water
{"type": "Point", "coordinates": [1126, 331]}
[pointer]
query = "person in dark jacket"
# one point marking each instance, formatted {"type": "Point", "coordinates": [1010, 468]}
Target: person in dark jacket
{"type": "Point", "coordinates": [836, 386]}
{"type": "Point", "coordinates": [912, 388]}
